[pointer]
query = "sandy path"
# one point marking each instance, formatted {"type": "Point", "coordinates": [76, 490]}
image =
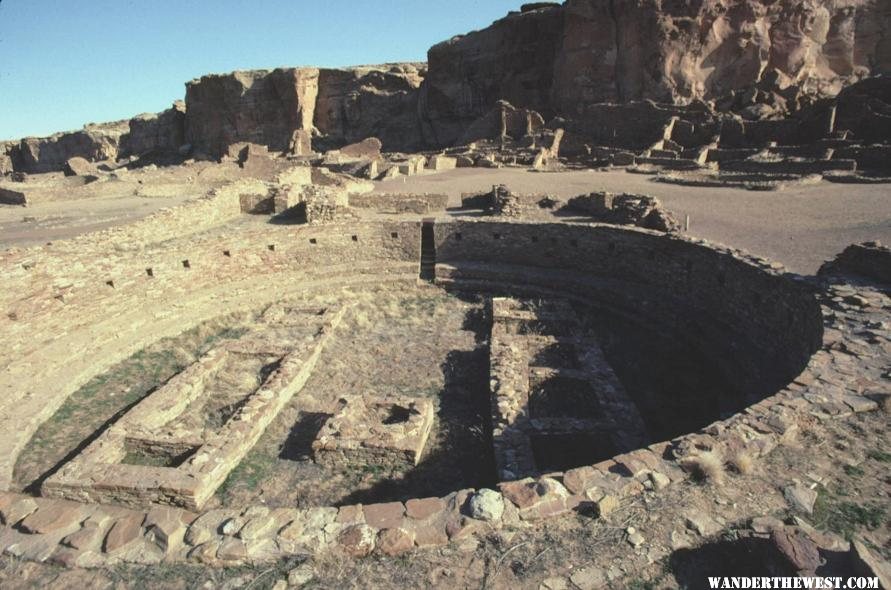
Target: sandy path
{"type": "Point", "coordinates": [800, 226]}
{"type": "Point", "coordinates": [58, 220]}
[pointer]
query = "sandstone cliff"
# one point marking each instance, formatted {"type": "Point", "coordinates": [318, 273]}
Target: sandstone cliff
{"type": "Point", "coordinates": [761, 59]}
{"type": "Point", "coordinates": [47, 154]}
{"type": "Point", "coordinates": [155, 132]}
{"type": "Point", "coordinates": [564, 59]}
{"type": "Point", "coordinates": [511, 60]}
{"type": "Point", "coordinates": [258, 106]}
{"type": "Point", "coordinates": [339, 105]}
{"type": "Point", "coordinates": [144, 134]}
{"type": "Point", "coordinates": [377, 101]}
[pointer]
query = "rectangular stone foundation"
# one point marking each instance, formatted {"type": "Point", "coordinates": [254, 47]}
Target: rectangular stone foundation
{"type": "Point", "coordinates": [162, 451]}
{"type": "Point", "coordinates": [556, 402]}
{"type": "Point", "coordinates": [390, 432]}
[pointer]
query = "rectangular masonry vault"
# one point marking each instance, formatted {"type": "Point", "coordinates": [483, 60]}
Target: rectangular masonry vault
{"type": "Point", "coordinates": [391, 431]}
{"type": "Point", "coordinates": [556, 402]}
{"type": "Point", "coordinates": [180, 443]}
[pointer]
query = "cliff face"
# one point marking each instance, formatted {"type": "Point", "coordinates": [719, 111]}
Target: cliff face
{"type": "Point", "coordinates": [143, 134]}
{"type": "Point", "coordinates": [356, 103]}
{"type": "Point", "coordinates": [563, 59]}
{"type": "Point", "coordinates": [511, 60]}
{"type": "Point", "coordinates": [156, 133]}
{"type": "Point", "coordinates": [258, 106]}
{"type": "Point", "coordinates": [47, 154]}
{"type": "Point", "coordinates": [760, 58]}
{"type": "Point", "coordinates": [679, 50]}
{"type": "Point", "coordinates": [268, 107]}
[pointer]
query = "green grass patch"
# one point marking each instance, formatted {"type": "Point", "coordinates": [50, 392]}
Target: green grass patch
{"type": "Point", "coordinates": [106, 397]}
{"type": "Point", "coordinates": [252, 470]}
{"type": "Point", "coordinates": [880, 456]}
{"type": "Point", "coordinates": [846, 518]}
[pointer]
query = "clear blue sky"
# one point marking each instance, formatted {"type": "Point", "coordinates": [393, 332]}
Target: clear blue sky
{"type": "Point", "coordinates": [64, 63]}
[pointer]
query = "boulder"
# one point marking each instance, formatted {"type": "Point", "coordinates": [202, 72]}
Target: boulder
{"type": "Point", "coordinates": [866, 563]}
{"type": "Point", "coordinates": [357, 540]}
{"type": "Point", "coordinates": [486, 505]}
{"type": "Point", "coordinates": [369, 149]}
{"type": "Point", "coordinates": [800, 497]}
{"type": "Point", "coordinates": [79, 167]}
{"type": "Point", "coordinates": [6, 166]}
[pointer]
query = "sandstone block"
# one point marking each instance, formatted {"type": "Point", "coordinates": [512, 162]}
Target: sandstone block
{"type": "Point", "coordinates": [79, 167]}
{"type": "Point", "coordinates": [798, 549]}
{"type": "Point", "coordinates": [17, 510]}
{"type": "Point", "coordinates": [351, 514]}
{"type": "Point", "coordinates": [800, 497]}
{"type": "Point", "coordinates": [395, 541]}
{"type": "Point", "coordinates": [384, 516]}
{"type": "Point", "coordinates": [232, 549]}
{"type": "Point", "coordinates": [53, 517]}
{"type": "Point", "coordinates": [123, 533]}
{"type": "Point", "coordinates": [357, 540]}
{"type": "Point", "coordinates": [165, 527]}
{"type": "Point", "coordinates": [421, 509]}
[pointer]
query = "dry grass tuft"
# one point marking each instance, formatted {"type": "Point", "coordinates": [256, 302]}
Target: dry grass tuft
{"type": "Point", "coordinates": [742, 463]}
{"type": "Point", "coordinates": [706, 466]}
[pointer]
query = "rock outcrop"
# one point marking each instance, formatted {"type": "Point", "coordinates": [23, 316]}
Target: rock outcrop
{"type": "Point", "coordinates": [562, 60]}
{"type": "Point", "coordinates": [276, 107]}
{"type": "Point", "coordinates": [259, 106]}
{"type": "Point", "coordinates": [6, 166]}
{"type": "Point", "coordinates": [370, 101]}
{"type": "Point", "coordinates": [47, 154]}
{"type": "Point", "coordinates": [511, 60]}
{"type": "Point", "coordinates": [156, 132]}
{"type": "Point", "coordinates": [615, 73]}
{"type": "Point", "coordinates": [144, 134]}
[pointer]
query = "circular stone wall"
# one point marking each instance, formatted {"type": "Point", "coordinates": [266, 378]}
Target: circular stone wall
{"type": "Point", "coordinates": [106, 301]}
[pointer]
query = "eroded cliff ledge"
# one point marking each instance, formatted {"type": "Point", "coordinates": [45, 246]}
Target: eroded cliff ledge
{"type": "Point", "coordinates": [760, 59]}
{"type": "Point", "coordinates": [562, 59]}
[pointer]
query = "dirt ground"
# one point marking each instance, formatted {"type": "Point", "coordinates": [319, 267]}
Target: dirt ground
{"type": "Point", "coordinates": [59, 220]}
{"type": "Point", "coordinates": [423, 343]}
{"type": "Point", "coordinates": [799, 226]}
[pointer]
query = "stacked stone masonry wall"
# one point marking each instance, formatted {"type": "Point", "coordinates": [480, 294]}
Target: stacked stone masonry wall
{"type": "Point", "coordinates": [709, 291]}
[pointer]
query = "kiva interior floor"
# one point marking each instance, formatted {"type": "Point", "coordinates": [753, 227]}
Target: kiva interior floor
{"type": "Point", "coordinates": [425, 343]}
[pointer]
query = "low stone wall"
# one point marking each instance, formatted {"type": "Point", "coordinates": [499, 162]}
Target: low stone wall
{"type": "Point", "coordinates": [526, 416]}
{"type": "Point", "coordinates": [721, 296]}
{"type": "Point", "coordinates": [100, 473]}
{"type": "Point", "coordinates": [790, 166]}
{"type": "Point", "coordinates": [401, 202]}
{"type": "Point", "coordinates": [737, 307]}
{"type": "Point", "coordinates": [115, 296]}
{"type": "Point", "coordinates": [391, 432]}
